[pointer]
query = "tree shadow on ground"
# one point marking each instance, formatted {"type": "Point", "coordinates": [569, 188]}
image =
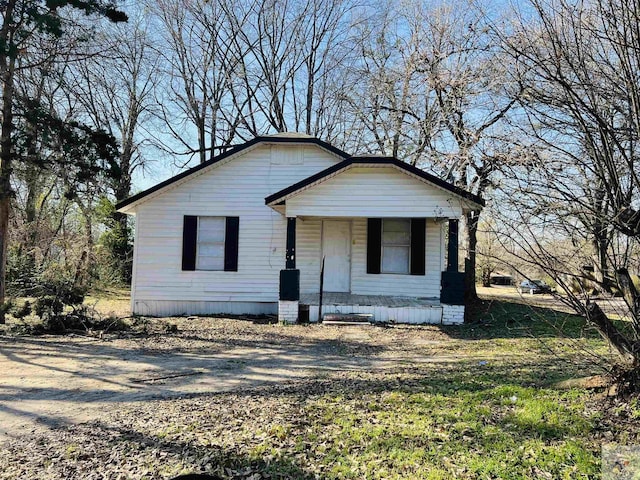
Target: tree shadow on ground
{"type": "Point", "coordinates": [274, 430]}
{"type": "Point", "coordinates": [93, 372]}
{"type": "Point", "coordinates": [151, 344]}
{"type": "Point", "coordinates": [241, 361]}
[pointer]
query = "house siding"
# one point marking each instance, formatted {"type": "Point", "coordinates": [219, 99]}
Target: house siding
{"type": "Point", "coordinates": [375, 192]}
{"type": "Point", "coordinates": [169, 308]}
{"type": "Point", "coordinates": [309, 255]}
{"type": "Point", "coordinates": [236, 188]}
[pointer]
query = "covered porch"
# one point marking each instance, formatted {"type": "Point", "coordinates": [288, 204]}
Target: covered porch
{"type": "Point", "coordinates": [374, 236]}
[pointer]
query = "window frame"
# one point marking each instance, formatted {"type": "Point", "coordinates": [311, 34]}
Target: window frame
{"type": "Point", "coordinates": [199, 242]}
{"type": "Point", "coordinates": [407, 246]}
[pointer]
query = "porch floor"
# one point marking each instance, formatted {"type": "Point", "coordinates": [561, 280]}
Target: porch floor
{"type": "Point", "coordinates": [344, 298]}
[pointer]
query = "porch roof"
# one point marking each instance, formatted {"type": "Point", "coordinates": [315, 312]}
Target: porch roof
{"type": "Point", "coordinates": [373, 187]}
{"type": "Point", "coordinates": [279, 198]}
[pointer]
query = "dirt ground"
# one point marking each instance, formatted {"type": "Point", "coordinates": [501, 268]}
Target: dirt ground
{"type": "Point", "coordinates": [48, 381]}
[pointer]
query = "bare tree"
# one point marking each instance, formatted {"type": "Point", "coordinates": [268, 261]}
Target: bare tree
{"type": "Point", "coordinates": [467, 71]}
{"type": "Point", "coordinates": [114, 89]}
{"type": "Point", "coordinates": [197, 47]}
{"type": "Point", "coordinates": [578, 65]}
{"type": "Point", "coordinates": [244, 68]}
{"type": "Point", "coordinates": [325, 37]}
{"type": "Point", "coordinates": [433, 92]}
{"type": "Point", "coordinates": [35, 89]}
{"type": "Point", "coordinates": [390, 93]}
{"type": "Point", "coordinates": [269, 53]}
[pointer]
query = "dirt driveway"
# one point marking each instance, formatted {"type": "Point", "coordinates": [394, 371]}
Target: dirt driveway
{"type": "Point", "coordinates": [49, 381]}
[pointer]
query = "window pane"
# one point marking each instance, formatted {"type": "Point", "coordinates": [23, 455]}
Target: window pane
{"type": "Point", "coordinates": [396, 241]}
{"type": "Point", "coordinates": [211, 229]}
{"type": "Point", "coordinates": [211, 249]}
{"type": "Point", "coordinates": [210, 263]}
{"type": "Point", "coordinates": [395, 260]}
{"type": "Point", "coordinates": [396, 238]}
{"type": "Point", "coordinates": [396, 225]}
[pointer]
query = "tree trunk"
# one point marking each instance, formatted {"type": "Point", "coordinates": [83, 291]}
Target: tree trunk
{"type": "Point", "coordinates": [486, 276]}
{"type": "Point", "coordinates": [609, 332]}
{"type": "Point", "coordinates": [27, 247]}
{"type": "Point", "coordinates": [470, 226]}
{"type": "Point", "coordinates": [122, 250]}
{"type": "Point", "coordinates": [600, 243]}
{"type": "Point", "coordinates": [85, 263]}
{"type": "Point", "coordinates": [310, 90]}
{"type": "Point", "coordinates": [32, 184]}
{"type": "Point", "coordinates": [4, 238]}
{"type": "Point", "coordinates": [30, 213]}
{"type": "Point", "coordinates": [202, 140]}
{"type": "Point", "coordinates": [6, 156]}
{"type": "Point", "coordinates": [631, 297]}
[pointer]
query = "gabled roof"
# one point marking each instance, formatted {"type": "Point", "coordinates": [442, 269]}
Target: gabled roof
{"type": "Point", "coordinates": [282, 195]}
{"type": "Point", "coordinates": [282, 138]}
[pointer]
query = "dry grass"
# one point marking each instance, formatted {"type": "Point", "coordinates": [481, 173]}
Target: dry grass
{"type": "Point", "coordinates": [114, 302]}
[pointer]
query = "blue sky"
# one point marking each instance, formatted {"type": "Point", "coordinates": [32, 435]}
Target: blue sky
{"type": "Point", "coordinates": [163, 165]}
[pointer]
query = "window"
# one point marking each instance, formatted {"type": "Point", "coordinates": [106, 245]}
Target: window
{"type": "Point", "coordinates": [396, 245]}
{"type": "Point", "coordinates": [210, 243]}
{"type": "Point", "coordinates": [210, 247]}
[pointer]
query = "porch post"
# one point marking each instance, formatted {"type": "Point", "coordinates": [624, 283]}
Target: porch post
{"type": "Point", "coordinates": [291, 243]}
{"type": "Point", "coordinates": [452, 282]}
{"type": "Point", "coordinates": [289, 297]}
{"type": "Point", "coordinates": [452, 247]}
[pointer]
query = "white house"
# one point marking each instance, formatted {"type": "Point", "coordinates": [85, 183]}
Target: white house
{"type": "Point", "coordinates": [248, 232]}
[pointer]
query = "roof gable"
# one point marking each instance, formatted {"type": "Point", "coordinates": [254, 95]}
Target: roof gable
{"type": "Point", "coordinates": [281, 196]}
{"type": "Point", "coordinates": [227, 156]}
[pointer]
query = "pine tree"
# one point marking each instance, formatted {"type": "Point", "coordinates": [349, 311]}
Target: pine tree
{"type": "Point", "coordinates": [22, 22]}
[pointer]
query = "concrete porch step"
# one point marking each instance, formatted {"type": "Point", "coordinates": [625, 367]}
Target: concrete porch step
{"type": "Point", "coordinates": [347, 318]}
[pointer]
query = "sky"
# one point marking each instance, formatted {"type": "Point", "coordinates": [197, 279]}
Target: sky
{"type": "Point", "coordinates": [163, 165]}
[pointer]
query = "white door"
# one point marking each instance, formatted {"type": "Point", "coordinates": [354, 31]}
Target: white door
{"type": "Point", "coordinates": [336, 249]}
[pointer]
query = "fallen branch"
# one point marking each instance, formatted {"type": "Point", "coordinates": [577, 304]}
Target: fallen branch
{"type": "Point", "coordinates": [165, 377]}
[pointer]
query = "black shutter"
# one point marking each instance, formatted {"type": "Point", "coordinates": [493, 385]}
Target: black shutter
{"type": "Point", "coordinates": [189, 241]}
{"type": "Point", "coordinates": [231, 244]}
{"type": "Point", "coordinates": [418, 227]}
{"type": "Point", "coordinates": [374, 244]}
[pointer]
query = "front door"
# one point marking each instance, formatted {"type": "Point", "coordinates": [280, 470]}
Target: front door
{"type": "Point", "coordinates": [336, 249]}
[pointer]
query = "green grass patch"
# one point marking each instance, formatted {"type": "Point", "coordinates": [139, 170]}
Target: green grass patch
{"type": "Point", "coordinates": [502, 319]}
{"type": "Point", "coordinates": [451, 425]}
